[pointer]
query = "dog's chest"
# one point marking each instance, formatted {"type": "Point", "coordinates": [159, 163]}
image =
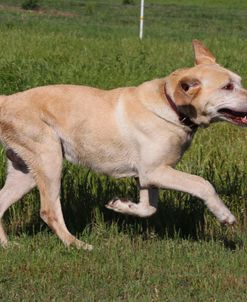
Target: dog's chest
{"type": "Point", "coordinates": [166, 147]}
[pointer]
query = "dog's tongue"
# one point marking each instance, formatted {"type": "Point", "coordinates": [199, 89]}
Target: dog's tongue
{"type": "Point", "coordinates": [244, 120]}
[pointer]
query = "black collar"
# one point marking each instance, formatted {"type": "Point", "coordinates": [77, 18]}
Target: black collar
{"type": "Point", "coordinates": [185, 120]}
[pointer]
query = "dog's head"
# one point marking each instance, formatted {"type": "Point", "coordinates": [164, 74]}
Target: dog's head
{"type": "Point", "coordinates": [208, 92]}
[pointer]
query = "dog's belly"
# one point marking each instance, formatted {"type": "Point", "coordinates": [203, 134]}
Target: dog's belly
{"type": "Point", "coordinates": [116, 164]}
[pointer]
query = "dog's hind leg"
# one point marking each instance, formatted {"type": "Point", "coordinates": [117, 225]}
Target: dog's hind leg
{"type": "Point", "coordinates": [146, 207]}
{"type": "Point", "coordinates": [19, 181]}
{"type": "Point", "coordinates": [47, 168]}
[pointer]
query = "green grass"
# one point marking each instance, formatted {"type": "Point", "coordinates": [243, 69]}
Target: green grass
{"type": "Point", "coordinates": [180, 254]}
{"type": "Point", "coordinates": [121, 268]}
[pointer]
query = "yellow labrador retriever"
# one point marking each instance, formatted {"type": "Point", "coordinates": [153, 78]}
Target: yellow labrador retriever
{"type": "Point", "coordinates": [134, 131]}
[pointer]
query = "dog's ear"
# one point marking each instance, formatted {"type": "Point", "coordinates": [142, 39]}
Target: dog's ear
{"type": "Point", "coordinates": [202, 54]}
{"type": "Point", "coordinates": [186, 90]}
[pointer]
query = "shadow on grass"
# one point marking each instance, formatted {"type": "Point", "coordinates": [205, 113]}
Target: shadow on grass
{"type": "Point", "coordinates": [178, 215]}
{"type": "Point", "coordinates": [170, 222]}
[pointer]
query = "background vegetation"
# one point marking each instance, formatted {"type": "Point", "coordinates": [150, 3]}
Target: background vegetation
{"type": "Point", "coordinates": [181, 253]}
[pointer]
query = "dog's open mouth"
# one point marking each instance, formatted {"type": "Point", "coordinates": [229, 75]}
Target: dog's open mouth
{"type": "Point", "coordinates": [235, 117]}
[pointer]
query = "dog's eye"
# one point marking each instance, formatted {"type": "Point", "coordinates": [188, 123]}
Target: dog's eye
{"type": "Point", "coordinates": [229, 86]}
{"type": "Point", "coordinates": [185, 86]}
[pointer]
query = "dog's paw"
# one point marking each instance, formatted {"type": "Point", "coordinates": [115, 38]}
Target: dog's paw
{"type": "Point", "coordinates": [120, 205]}
{"type": "Point", "coordinates": [10, 244]}
{"type": "Point", "coordinates": [128, 207]}
{"type": "Point", "coordinates": [227, 218]}
{"type": "Point", "coordinates": [4, 244]}
{"type": "Point", "coordinates": [82, 245]}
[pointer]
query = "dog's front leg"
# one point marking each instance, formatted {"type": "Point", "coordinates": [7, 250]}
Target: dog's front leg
{"type": "Point", "coordinates": [146, 207]}
{"type": "Point", "coordinates": [169, 178]}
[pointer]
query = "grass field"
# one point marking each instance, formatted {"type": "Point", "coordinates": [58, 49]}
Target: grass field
{"type": "Point", "coordinates": [181, 253]}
